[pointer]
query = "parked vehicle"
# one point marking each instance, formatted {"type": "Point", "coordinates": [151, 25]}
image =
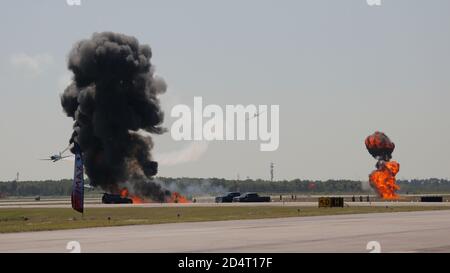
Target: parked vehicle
{"type": "Point", "coordinates": [227, 198]}
{"type": "Point", "coordinates": [251, 197]}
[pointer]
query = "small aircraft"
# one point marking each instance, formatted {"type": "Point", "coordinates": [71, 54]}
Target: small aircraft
{"type": "Point", "coordinates": [56, 157]}
{"type": "Point", "coordinates": [59, 156]}
{"type": "Point", "coordinates": [256, 115]}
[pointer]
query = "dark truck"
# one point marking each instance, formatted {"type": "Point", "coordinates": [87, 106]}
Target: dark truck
{"type": "Point", "coordinates": [115, 199]}
{"type": "Point", "coordinates": [227, 198]}
{"type": "Point", "coordinates": [251, 197]}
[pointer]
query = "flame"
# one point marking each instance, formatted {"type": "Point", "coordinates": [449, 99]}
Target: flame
{"type": "Point", "coordinates": [124, 193]}
{"type": "Point", "coordinates": [177, 198]}
{"type": "Point", "coordinates": [383, 179]}
{"type": "Point", "coordinates": [136, 199]}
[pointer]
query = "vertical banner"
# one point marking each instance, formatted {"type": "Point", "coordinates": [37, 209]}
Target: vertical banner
{"type": "Point", "coordinates": [78, 181]}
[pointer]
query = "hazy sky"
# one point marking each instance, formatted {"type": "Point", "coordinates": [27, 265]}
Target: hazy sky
{"type": "Point", "coordinates": [338, 69]}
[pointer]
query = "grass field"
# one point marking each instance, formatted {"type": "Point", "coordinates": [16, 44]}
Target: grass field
{"type": "Point", "coordinates": [38, 219]}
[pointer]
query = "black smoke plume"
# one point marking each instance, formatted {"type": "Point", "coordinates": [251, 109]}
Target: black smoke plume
{"type": "Point", "coordinates": [113, 100]}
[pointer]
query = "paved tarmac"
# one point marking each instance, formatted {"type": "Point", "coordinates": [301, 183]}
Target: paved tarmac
{"type": "Point", "coordinates": [96, 204]}
{"type": "Point", "coordinates": [426, 231]}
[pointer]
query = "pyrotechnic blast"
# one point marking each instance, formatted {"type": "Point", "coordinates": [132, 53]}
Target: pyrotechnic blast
{"type": "Point", "coordinates": [383, 178]}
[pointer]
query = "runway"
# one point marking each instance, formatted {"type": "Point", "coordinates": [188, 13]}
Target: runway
{"type": "Point", "coordinates": [306, 202]}
{"type": "Point", "coordinates": [274, 204]}
{"type": "Point", "coordinates": [309, 201]}
{"type": "Point", "coordinates": [396, 232]}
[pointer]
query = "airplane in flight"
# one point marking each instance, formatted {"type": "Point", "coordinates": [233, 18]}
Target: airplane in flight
{"type": "Point", "coordinates": [256, 115]}
{"type": "Point", "coordinates": [58, 157]}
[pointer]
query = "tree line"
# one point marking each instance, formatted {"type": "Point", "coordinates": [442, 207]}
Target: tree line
{"type": "Point", "coordinates": [199, 186]}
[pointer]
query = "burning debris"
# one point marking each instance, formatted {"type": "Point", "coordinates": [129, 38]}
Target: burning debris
{"type": "Point", "coordinates": [124, 193]}
{"type": "Point", "coordinates": [114, 102]}
{"type": "Point", "coordinates": [175, 197]}
{"type": "Point", "coordinates": [383, 178]}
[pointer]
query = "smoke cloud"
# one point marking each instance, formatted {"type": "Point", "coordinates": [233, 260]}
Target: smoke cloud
{"type": "Point", "coordinates": [114, 94]}
{"type": "Point", "coordinates": [201, 187]}
{"type": "Point", "coordinates": [380, 146]}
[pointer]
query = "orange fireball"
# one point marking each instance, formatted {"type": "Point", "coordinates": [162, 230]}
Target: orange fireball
{"type": "Point", "coordinates": [383, 179]}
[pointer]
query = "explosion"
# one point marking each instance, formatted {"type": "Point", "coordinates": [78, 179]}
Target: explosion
{"type": "Point", "coordinates": [113, 100]}
{"type": "Point", "coordinates": [383, 178]}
